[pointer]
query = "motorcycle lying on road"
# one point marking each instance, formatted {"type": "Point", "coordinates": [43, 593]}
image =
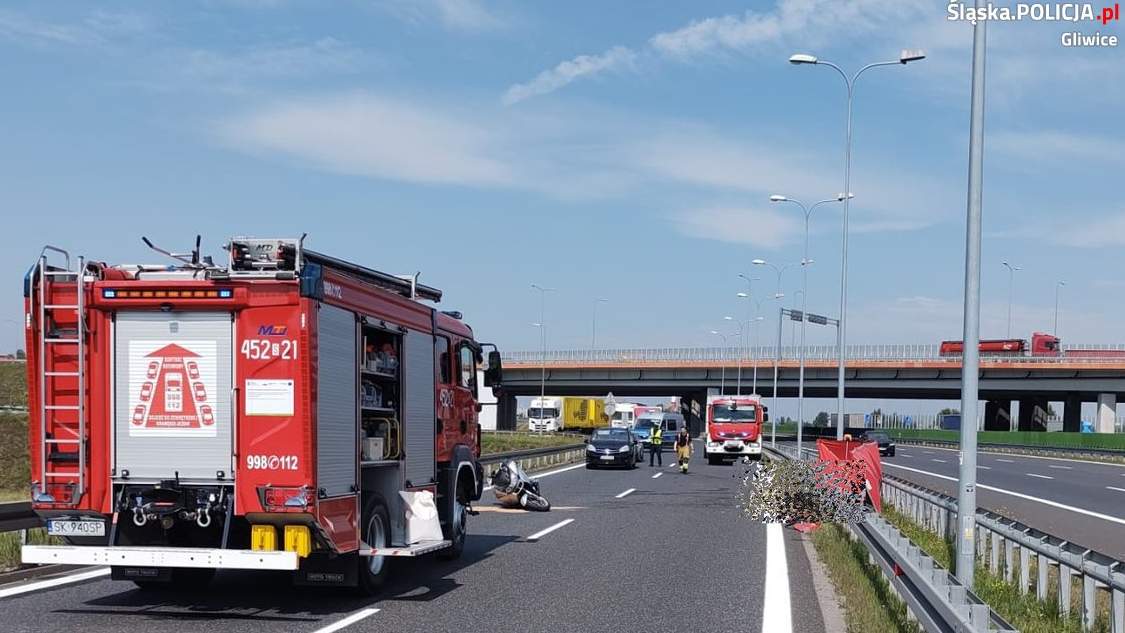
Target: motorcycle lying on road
{"type": "Point", "coordinates": [513, 488]}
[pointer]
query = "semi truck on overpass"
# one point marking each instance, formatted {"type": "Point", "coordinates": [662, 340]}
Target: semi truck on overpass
{"type": "Point", "coordinates": [265, 414]}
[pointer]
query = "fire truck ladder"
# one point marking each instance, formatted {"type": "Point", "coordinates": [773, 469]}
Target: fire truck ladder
{"type": "Point", "coordinates": [62, 379]}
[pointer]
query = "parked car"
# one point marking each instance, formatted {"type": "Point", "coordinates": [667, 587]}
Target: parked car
{"type": "Point", "coordinates": [886, 444]}
{"type": "Point", "coordinates": [670, 423]}
{"type": "Point", "coordinates": [612, 447]}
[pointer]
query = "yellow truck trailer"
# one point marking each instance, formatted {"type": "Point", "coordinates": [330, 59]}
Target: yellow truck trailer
{"type": "Point", "coordinates": [584, 414]}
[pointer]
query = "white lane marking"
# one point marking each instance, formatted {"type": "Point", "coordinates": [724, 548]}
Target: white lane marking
{"type": "Point", "coordinates": [938, 460]}
{"type": "Point", "coordinates": [777, 616]}
{"type": "Point", "coordinates": [626, 493]}
{"type": "Point", "coordinates": [348, 621]}
{"type": "Point", "coordinates": [1115, 488]}
{"type": "Point", "coordinates": [1060, 467]}
{"type": "Point", "coordinates": [54, 582]}
{"type": "Point", "coordinates": [541, 533]}
{"type": "Point", "coordinates": [984, 467]}
{"type": "Point", "coordinates": [1054, 459]}
{"type": "Point", "coordinates": [546, 474]}
{"type": "Point", "coordinates": [1020, 495]}
{"type": "Point", "coordinates": [1039, 476]}
{"type": "Point", "coordinates": [657, 475]}
{"type": "Point", "coordinates": [928, 452]}
{"type": "Point", "coordinates": [1006, 461]}
{"type": "Point", "coordinates": [905, 455]}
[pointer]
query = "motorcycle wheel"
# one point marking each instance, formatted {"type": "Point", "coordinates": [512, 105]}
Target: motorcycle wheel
{"type": "Point", "coordinates": [537, 503]}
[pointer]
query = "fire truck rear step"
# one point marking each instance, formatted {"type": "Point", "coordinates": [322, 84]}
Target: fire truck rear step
{"type": "Point", "coordinates": [418, 549]}
{"type": "Point", "coordinates": [197, 557]}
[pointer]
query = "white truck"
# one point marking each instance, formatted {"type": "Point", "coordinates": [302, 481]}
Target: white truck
{"type": "Point", "coordinates": [545, 414]}
{"type": "Point", "coordinates": [624, 416]}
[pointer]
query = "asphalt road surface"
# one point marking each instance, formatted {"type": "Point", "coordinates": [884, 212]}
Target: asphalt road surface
{"type": "Point", "coordinates": [672, 555]}
{"type": "Point", "coordinates": [1080, 501]}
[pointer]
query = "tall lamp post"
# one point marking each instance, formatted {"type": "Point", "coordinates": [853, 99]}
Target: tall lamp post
{"type": "Point", "coordinates": [805, 263]}
{"type": "Point", "coordinates": [542, 325]}
{"type": "Point", "coordinates": [594, 324]}
{"type": "Point", "coordinates": [722, 363]}
{"type": "Point", "coordinates": [904, 58]}
{"type": "Point", "coordinates": [1011, 286]}
{"type": "Point", "coordinates": [1058, 284]}
{"type": "Point", "coordinates": [738, 358]}
{"type": "Point", "coordinates": [747, 296]}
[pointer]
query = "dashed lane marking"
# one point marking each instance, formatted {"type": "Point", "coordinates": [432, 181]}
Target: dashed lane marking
{"type": "Point", "coordinates": [1039, 476]}
{"type": "Point", "coordinates": [657, 475]}
{"type": "Point", "coordinates": [1020, 495]}
{"type": "Point", "coordinates": [1115, 488]}
{"type": "Point", "coordinates": [541, 533]}
{"type": "Point", "coordinates": [348, 621]}
{"type": "Point", "coordinates": [1060, 467]}
{"type": "Point", "coordinates": [626, 493]}
{"type": "Point", "coordinates": [938, 460]}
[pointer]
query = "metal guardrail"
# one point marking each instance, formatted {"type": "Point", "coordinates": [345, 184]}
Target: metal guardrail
{"type": "Point", "coordinates": [995, 534]}
{"type": "Point", "coordinates": [1057, 451]}
{"type": "Point", "coordinates": [496, 458]}
{"type": "Point", "coordinates": [934, 596]}
{"type": "Point", "coordinates": [17, 515]}
{"type": "Point", "coordinates": [767, 353]}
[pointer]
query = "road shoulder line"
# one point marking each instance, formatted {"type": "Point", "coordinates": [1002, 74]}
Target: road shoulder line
{"type": "Point", "coordinates": [777, 615]}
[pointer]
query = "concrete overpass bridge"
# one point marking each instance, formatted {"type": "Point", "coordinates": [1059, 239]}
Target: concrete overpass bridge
{"type": "Point", "coordinates": [1086, 373]}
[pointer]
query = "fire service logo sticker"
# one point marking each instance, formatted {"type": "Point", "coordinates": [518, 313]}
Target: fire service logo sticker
{"type": "Point", "coordinates": [172, 389]}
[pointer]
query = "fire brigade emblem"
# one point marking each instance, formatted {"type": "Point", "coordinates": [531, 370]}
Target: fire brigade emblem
{"type": "Point", "coordinates": [172, 387]}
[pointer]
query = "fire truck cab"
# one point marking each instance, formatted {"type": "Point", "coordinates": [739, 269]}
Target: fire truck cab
{"type": "Point", "coordinates": [265, 414]}
{"type": "Point", "coordinates": [734, 428]}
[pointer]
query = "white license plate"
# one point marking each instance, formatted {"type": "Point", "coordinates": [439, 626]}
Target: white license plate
{"type": "Point", "coordinates": [58, 527]}
{"type": "Point", "coordinates": [608, 458]}
{"type": "Point", "coordinates": [734, 444]}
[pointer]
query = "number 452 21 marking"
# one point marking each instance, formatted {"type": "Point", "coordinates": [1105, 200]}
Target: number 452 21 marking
{"type": "Point", "coordinates": [265, 349]}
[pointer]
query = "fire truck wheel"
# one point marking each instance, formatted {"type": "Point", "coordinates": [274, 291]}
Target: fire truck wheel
{"type": "Point", "coordinates": [374, 570]}
{"type": "Point", "coordinates": [458, 523]}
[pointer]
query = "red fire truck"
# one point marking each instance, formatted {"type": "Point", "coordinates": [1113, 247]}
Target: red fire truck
{"type": "Point", "coordinates": [734, 427]}
{"type": "Point", "coordinates": [265, 414]}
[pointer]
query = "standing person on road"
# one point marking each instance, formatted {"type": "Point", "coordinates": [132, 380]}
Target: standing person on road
{"type": "Point", "coordinates": [655, 441]}
{"type": "Point", "coordinates": [683, 448]}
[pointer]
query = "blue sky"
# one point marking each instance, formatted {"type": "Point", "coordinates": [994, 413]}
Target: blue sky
{"type": "Point", "coordinates": [615, 150]}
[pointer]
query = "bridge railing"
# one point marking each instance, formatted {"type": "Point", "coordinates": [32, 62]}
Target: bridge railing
{"type": "Point", "coordinates": [894, 352]}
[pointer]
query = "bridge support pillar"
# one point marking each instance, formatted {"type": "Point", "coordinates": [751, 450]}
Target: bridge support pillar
{"type": "Point", "coordinates": [693, 407]}
{"type": "Point", "coordinates": [1033, 414]}
{"type": "Point", "coordinates": [1106, 420]}
{"type": "Point", "coordinates": [998, 415]}
{"type": "Point", "coordinates": [1072, 413]}
{"type": "Point", "coordinates": [505, 412]}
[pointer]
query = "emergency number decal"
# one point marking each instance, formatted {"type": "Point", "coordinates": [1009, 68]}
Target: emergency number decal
{"type": "Point", "coordinates": [271, 462]}
{"type": "Point", "coordinates": [172, 388]}
{"type": "Point", "coordinates": [269, 397]}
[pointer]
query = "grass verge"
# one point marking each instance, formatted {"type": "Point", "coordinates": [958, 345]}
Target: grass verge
{"type": "Point", "coordinates": [10, 546]}
{"type": "Point", "coordinates": [868, 602]}
{"type": "Point", "coordinates": [1025, 612]}
{"type": "Point", "coordinates": [492, 443]}
{"type": "Point", "coordinates": [14, 468]}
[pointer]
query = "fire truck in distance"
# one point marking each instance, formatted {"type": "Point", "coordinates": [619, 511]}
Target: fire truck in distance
{"type": "Point", "coordinates": [265, 414]}
{"type": "Point", "coordinates": [734, 427]}
{"type": "Point", "coordinates": [1041, 345]}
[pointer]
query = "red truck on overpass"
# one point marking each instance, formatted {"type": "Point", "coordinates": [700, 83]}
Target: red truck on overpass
{"type": "Point", "coordinates": [1041, 345]}
{"type": "Point", "coordinates": [265, 414]}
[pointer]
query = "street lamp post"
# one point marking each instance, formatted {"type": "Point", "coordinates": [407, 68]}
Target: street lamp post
{"type": "Point", "coordinates": [594, 324]}
{"type": "Point", "coordinates": [722, 363]}
{"type": "Point", "coordinates": [904, 58]}
{"type": "Point", "coordinates": [1058, 284]}
{"type": "Point", "coordinates": [542, 325]}
{"type": "Point", "coordinates": [805, 263]}
{"type": "Point", "coordinates": [1011, 285]}
{"type": "Point", "coordinates": [738, 355]}
{"type": "Point", "coordinates": [753, 325]}
{"type": "Point", "coordinates": [744, 295]}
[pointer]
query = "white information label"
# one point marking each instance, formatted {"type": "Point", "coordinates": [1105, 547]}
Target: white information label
{"type": "Point", "coordinates": [269, 397]}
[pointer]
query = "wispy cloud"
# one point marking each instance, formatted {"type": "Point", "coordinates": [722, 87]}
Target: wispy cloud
{"type": "Point", "coordinates": [97, 27]}
{"type": "Point", "coordinates": [458, 15]}
{"type": "Point", "coordinates": [326, 55]}
{"type": "Point", "coordinates": [574, 154]}
{"type": "Point", "coordinates": [615, 59]}
{"type": "Point", "coordinates": [761, 228]}
{"type": "Point", "coordinates": [377, 137]}
{"type": "Point", "coordinates": [1058, 147]}
{"type": "Point", "coordinates": [816, 21]}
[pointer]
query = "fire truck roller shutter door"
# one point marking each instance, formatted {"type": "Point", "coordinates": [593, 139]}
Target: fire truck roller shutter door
{"type": "Point", "coordinates": [184, 425]}
{"type": "Point", "coordinates": [337, 400]}
{"type": "Point", "coordinates": [419, 407]}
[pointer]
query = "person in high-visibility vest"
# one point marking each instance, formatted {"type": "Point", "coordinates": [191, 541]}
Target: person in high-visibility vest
{"type": "Point", "coordinates": [655, 440]}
